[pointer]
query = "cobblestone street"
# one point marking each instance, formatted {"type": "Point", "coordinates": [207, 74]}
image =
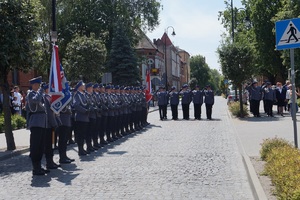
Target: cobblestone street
{"type": "Point", "coordinates": [168, 160]}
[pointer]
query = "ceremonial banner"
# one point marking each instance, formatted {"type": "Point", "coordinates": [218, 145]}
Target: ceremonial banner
{"type": "Point", "coordinates": [148, 87]}
{"type": "Point", "coordinates": [58, 85]}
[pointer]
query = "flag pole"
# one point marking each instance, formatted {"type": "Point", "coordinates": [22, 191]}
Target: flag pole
{"type": "Point", "coordinates": [53, 40]}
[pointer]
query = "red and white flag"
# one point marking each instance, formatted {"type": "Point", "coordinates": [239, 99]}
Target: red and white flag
{"type": "Point", "coordinates": [148, 87]}
{"type": "Point", "coordinates": [58, 84]}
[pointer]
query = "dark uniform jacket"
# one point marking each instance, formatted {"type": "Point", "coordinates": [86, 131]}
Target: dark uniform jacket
{"type": "Point", "coordinates": [80, 107]}
{"type": "Point", "coordinates": [37, 116]}
{"type": "Point", "coordinates": [174, 98]}
{"type": "Point", "coordinates": [162, 98]}
{"type": "Point", "coordinates": [186, 96]}
{"type": "Point", "coordinates": [52, 121]}
{"type": "Point", "coordinates": [209, 97]}
{"type": "Point", "coordinates": [197, 97]}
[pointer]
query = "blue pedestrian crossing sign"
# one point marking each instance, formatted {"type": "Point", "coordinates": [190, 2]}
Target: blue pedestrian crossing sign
{"type": "Point", "coordinates": [287, 34]}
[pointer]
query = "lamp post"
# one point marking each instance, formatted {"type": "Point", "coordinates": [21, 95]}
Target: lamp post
{"type": "Point", "coordinates": [247, 22]}
{"type": "Point", "coordinates": [166, 67]}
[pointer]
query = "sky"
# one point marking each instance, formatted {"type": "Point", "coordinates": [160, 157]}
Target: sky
{"type": "Point", "coordinates": [198, 30]}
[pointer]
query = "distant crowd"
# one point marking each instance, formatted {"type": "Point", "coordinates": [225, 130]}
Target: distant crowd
{"type": "Point", "coordinates": [279, 94]}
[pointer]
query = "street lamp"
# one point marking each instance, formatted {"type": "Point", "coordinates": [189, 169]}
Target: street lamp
{"type": "Point", "coordinates": [247, 23]}
{"type": "Point", "coordinates": [233, 17]}
{"type": "Point", "coordinates": [166, 67]}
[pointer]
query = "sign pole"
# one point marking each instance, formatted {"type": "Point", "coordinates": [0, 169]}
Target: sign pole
{"type": "Point", "coordinates": [294, 102]}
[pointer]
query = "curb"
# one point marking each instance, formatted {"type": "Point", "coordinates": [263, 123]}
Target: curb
{"type": "Point", "coordinates": [11, 154]}
{"type": "Point", "coordinates": [257, 189]}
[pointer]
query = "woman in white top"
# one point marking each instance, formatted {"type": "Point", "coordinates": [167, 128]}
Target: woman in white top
{"type": "Point", "coordinates": [289, 94]}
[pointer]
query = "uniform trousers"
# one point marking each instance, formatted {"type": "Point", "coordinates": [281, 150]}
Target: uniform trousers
{"type": "Point", "coordinates": [162, 111]}
{"type": "Point", "coordinates": [186, 111]}
{"type": "Point", "coordinates": [197, 110]}
{"type": "Point", "coordinates": [174, 109]}
{"type": "Point", "coordinates": [80, 131]}
{"type": "Point", "coordinates": [62, 131]}
{"type": "Point", "coordinates": [102, 124]}
{"type": "Point", "coordinates": [208, 110]}
{"type": "Point", "coordinates": [269, 107]}
{"type": "Point", "coordinates": [37, 145]}
{"type": "Point", "coordinates": [91, 131]}
{"type": "Point", "coordinates": [110, 125]}
{"type": "Point", "coordinates": [48, 145]}
{"type": "Point", "coordinates": [97, 134]}
{"type": "Point", "coordinates": [144, 115]}
{"type": "Point", "coordinates": [255, 107]}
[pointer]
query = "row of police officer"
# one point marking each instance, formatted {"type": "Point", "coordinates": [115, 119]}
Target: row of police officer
{"type": "Point", "coordinates": [197, 96]}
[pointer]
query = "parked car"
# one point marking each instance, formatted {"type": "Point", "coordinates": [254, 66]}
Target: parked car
{"type": "Point", "coordinates": [231, 97]}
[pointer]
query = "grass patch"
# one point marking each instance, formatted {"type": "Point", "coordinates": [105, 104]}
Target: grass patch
{"type": "Point", "coordinates": [283, 167]}
{"type": "Point", "coordinates": [234, 108]}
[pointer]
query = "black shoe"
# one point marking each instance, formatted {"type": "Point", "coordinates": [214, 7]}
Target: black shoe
{"type": "Point", "coordinates": [51, 166]}
{"type": "Point", "coordinates": [82, 153]}
{"type": "Point", "coordinates": [71, 142]}
{"type": "Point", "coordinates": [71, 159]}
{"type": "Point", "coordinates": [38, 172]}
{"type": "Point", "coordinates": [46, 170]}
{"type": "Point", "coordinates": [64, 161]}
{"type": "Point", "coordinates": [103, 143]}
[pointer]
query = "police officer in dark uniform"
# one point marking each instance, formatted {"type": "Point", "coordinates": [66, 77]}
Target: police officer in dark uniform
{"type": "Point", "coordinates": [37, 123]}
{"type": "Point", "coordinates": [186, 98]}
{"type": "Point", "coordinates": [209, 101]}
{"type": "Point", "coordinates": [174, 101]}
{"type": "Point", "coordinates": [98, 107]}
{"type": "Point", "coordinates": [270, 98]}
{"type": "Point", "coordinates": [255, 95]}
{"type": "Point", "coordinates": [92, 126]}
{"type": "Point", "coordinates": [63, 130]}
{"type": "Point", "coordinates": [81, 117]}
{"type": "Point", "coordinates": [104, 114]}
{"type": "Point", "coordinates": [110, 114]}
{"type": "Point", "coordinates": [197, 101]}
{"type": "Point", "coordinates": [50, 130]}
{"type": "Point", "coordinates": [162, 102]}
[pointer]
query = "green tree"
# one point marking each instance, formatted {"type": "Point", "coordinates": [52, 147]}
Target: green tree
{"type": "Point", "coordinates": [99, 16]}
{"type": "Point", "coordinates": [17, 30]}
{"type": "Point", "coordinates": [85, 56]}
{"type": "Point", "coordinates": [199, 70]}
{"type": "Point", "coordinates": [42, 46]}
{"type": "Point", "coordinates": [214, 80]}
{"type": "Point", "coordinates": [236, 60]}
{"type": "Point", "coordinates": [122, 60]}
{"type": "Point", "coordinates": [268, 60]}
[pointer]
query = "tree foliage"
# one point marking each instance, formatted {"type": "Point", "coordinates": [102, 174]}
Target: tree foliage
{"type": "Point", "coordinates": [85, 56]}
{"type": "Point", "coordinates": [122, 60]}
{"type": "Point", "coordinates": [99, 16]}
{"type": "Point", "coordinates": [199, 70]}
{"type": "Point", "coordinates": [17, 30]}
{"type": "Point", "coordinates": [236, 62]}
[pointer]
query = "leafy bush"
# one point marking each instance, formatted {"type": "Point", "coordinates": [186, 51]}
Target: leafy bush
{"type": "Point", "coordinates": [269, 144]}
{"type": "Point", "coordinates": [283, 167]}
{"type": "Point", "coordinates": [1, 123]}
{"type": "Point", "coordinates": [17, 122]}
{"type": "Point", "coordinates": [234, 108]}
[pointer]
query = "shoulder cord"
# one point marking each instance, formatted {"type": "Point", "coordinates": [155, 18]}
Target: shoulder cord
{"type": "Point", "coordinates": [36, 106]}
{"type": "Point", "coordinates": [84, 104]}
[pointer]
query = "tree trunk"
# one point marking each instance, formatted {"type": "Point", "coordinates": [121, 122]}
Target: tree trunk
{"type": "Point", "coordinates": [10, 141]}
{"type": "Point", "coordinates": [241, 101]}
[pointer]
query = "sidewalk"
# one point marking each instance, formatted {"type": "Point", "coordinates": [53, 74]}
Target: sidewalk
{"type": "Point", "coordinates": [22, 138]}
{"type": "Point", "coordinates": [252, 131]}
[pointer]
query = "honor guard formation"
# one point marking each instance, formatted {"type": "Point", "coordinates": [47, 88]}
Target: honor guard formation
{"type": "Point", "coordinates": [187, 96]}
{"type": "Point", "coordinates": [98, 115]}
